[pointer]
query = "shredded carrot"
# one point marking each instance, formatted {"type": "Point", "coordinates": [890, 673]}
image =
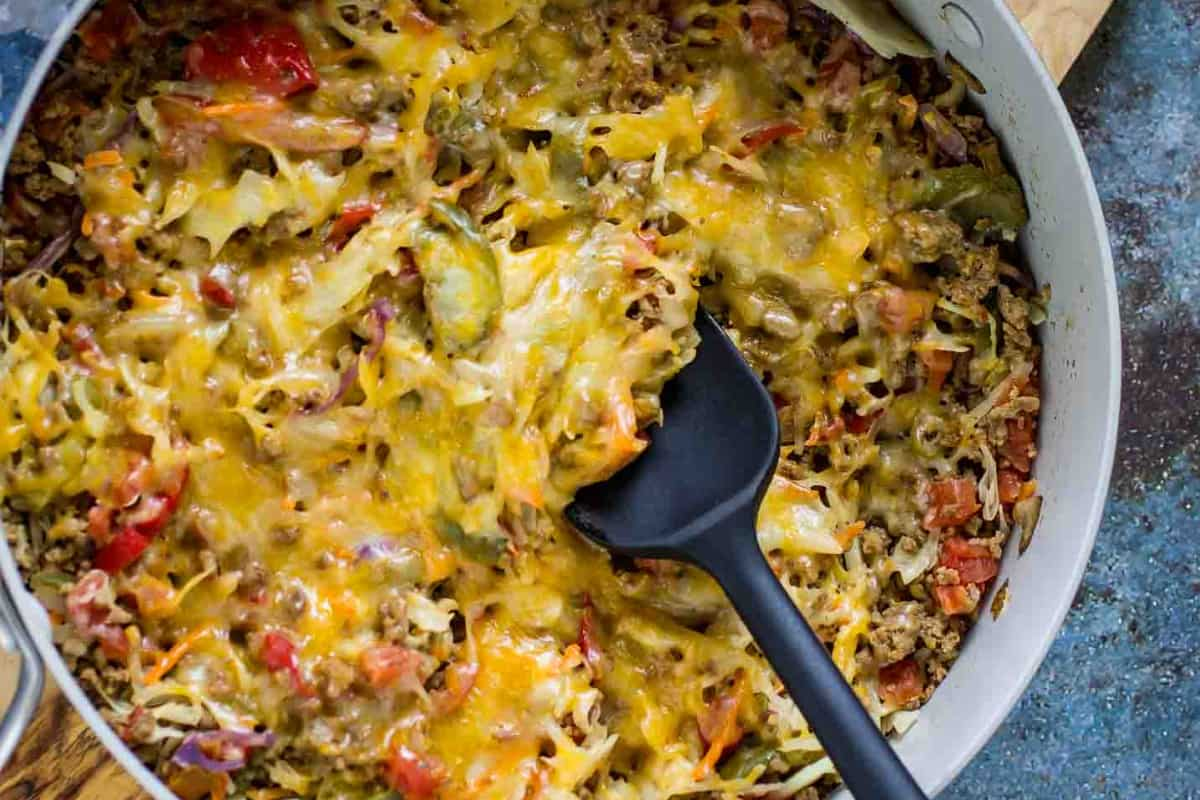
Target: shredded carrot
{"type": "Point", "coordinates": [102, 158]}
{"type": "Point", "coordinates": [168, 660]}
{"type": "Point", "coordinates": [845, 381]}
{"type": "Point", "coordinates": [88, 225]}
{"type": "Point", "coordinates": [849, 533]}
{"type": "Point", "coordinates": [1028, 489]}
{"type": "Point", "coordinates": [726, 736]}
{"type": "Point", "coordinates": [234, 109]}
{"type": "Point", "coordinates": [344, 553]}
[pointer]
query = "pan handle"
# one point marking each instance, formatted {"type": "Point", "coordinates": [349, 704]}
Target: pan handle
{"type": "Point", "coordinates": [15, 639]}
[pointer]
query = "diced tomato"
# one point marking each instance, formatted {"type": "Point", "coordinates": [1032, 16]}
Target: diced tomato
{"type": "Point", "coordinates": [973, 562]}
{"type": "Point", "coordinates": [587, 642]}
{"type": "Point", "coordinates": [1009, 481]}
{"type": "Point", "coordinates": [901, 310]}
{"type": "Point", "coordinates": [951, 502]}
{"type": "Point", "coordinates": [110, 30]}
{"type": "Point", "coordinates": [902, 682]}
{"type": "Point", "coordinates": [217, 293]}
{"type": "Point", "coordinates": [124, 549]}
{"type": "Point", "coordinates": [416, 776]}
{"type": "Point", "coordinates": [760, 137]}
{"type": "Point", "coordinates": [386, 664]}
{"type": "Point", "coordinates": [939, 363]}
{"type": "Point", "coordinates": [858, 424]}
{"type": "Point", "coordinates": [1019, 446]}
{"type": "Point", "coordinates": [353, 217]}
{"type": "Point", "coordinates": [267, 54]}
{"type": "Point", "coordinates": [955, 599]}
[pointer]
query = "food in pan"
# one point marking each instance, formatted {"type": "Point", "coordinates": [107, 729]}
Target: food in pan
{"type": "Point", "coordinates": [317, 314]}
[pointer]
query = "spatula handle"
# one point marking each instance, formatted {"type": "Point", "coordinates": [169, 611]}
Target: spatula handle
{"type": "Point", "coordinates": [864, 759]}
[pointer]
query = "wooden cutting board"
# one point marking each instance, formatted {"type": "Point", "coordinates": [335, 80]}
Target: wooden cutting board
{"type": "Point", "coordinates": [60, 758]}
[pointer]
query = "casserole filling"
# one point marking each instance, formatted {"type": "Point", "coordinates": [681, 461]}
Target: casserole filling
{"type": "Point", "coordinates": [317, 315]}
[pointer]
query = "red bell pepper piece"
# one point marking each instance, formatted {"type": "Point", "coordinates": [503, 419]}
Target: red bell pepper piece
{"type": "Point", "coordinates": [759, 138]}
{"type": "Point", "coordinates": [279, 654]}
{"type": "Point", "coordinates": [124, 549]}
{"type": "Point", "coordinates": [217, 293]}
{"type": "Point", "coordinates": [267, 54]}
{"type": "Point", "coordinates": [145, 522]}
{"type": "Point", "coordinates": [353, 217]}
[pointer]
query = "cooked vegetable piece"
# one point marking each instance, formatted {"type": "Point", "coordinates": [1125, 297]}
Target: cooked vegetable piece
{"type": "Point", "coordinates": [417, 777]}
{"type": "Point", "coordinates": [951, 502]}
{"type": "Point", "coordinates": [462, 286]}
{"type": "Point", "coordinates": [954, 599]}
{"type": "Point", "coordinates": [973, 562]}
{"type": "Point", "coordinates": [385, 665]}
{"type": "Point", "coordinates": [266, 123]}
{"type": "Point", "coordinates": [268, 55]}
{"type": "Point", "coordinates": [348, 222]}
{"type": "Point", "coordinates": [901, 683]}
{"type": "Point", "coordinates": [477, 547]}
{"type": "Point", "coordinates": [746, 759]}
{"type": "Point", "coordinates": [124, 549]}
{"type": "Point", "coordinates": [879, 26]}
{"type": "Point", "coordinates": [992, 205]}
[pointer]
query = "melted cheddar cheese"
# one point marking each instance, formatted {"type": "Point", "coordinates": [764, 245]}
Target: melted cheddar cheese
{"type": "Point", "coordinates": [290, 428]}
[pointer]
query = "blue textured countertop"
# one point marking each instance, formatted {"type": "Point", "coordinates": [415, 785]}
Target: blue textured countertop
{"type": "Point", "coordinates": [1115, 710]}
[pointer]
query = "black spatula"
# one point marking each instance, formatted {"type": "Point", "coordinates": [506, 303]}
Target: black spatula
{"type": "Point", "coordinates": [693, 496]}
